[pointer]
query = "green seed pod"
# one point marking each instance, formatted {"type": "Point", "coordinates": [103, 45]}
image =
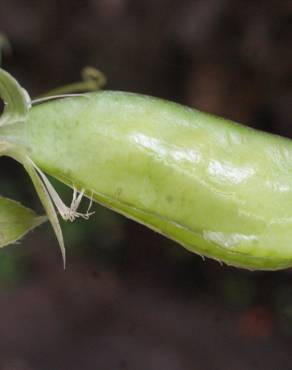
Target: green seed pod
{"type": "Point", "coordinates": [220, 189]}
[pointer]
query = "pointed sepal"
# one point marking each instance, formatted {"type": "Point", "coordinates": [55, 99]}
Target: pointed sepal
{"type": "Point", "coordinates": [47, 203]}
{"type": "Point", "coordinates": [16, 221]}
{"type": "Point", "coordinates": [16, 99]}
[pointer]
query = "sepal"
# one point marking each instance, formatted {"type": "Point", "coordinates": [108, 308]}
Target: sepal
{"type": "Point", "coordinates": [16, 221]}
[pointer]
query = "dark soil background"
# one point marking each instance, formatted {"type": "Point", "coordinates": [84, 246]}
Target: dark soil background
{"type": "Point", "coordinates": [130, 299]}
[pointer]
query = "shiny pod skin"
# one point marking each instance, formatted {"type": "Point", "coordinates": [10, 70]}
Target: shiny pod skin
{"type": "Point", "coordinates": [220, 189]}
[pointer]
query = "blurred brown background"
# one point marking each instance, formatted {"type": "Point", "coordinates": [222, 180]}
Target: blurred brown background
{"type": "Point", "coordinates": [130, 299]}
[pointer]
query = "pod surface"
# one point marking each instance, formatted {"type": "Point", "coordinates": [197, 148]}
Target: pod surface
{"type": "Point", "coordinates": [218, 188]}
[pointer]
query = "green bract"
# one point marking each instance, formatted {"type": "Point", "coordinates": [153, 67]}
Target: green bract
{"type": "Point", "coordinates": [220, 189]}
{"type": "Point", "coordinates": [16, 221]}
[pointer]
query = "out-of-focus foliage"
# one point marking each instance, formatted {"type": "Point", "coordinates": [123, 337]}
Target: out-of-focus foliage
{"type": "Point", "coordinates": [4, 45]}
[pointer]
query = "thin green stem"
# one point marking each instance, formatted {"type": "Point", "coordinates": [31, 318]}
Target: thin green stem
{"type": "Point", "coordinates": [92, 80]}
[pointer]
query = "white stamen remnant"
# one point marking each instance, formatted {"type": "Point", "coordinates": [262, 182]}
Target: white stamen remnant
{"type": "Point", "coordinates": [67, 213]}
{"type": "Point", "coordinates": [72, 211]}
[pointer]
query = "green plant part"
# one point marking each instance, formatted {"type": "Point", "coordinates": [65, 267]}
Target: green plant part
{"type": "Point", "coordinates": [220, 189]}
{"type": "Point", "coordinates": [4, 45]}
{"type": "Point", "coordinates": [15, 221]}
{"type": "Point", "coordinates": [92, 80]}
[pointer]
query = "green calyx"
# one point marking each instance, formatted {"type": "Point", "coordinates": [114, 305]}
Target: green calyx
{"type": "Point", "coordinates": [16, 220]}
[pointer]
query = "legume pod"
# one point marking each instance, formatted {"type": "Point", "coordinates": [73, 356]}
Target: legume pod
{"type": "Point", "coordinates": [220, 189]}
